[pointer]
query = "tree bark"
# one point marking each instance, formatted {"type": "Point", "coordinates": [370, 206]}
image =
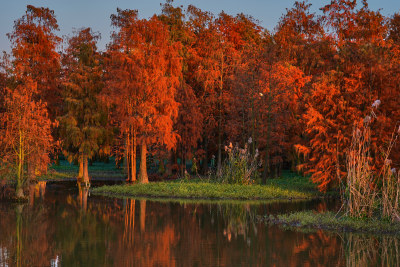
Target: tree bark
{"type": "Point", "coordinates": [133, 157]}
{"type": "Point", "coordinates": [85, 171]}
{"type": "Point", "coordinates": [80, 174]}
{"type": "Point", "coordinates": [143, 178]}
{"type": "Point", "coordinates": [128, 156]}
{"type": "Point", "coordinates": [19, 190]}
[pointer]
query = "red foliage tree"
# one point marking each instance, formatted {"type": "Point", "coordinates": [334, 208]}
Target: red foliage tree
{"type": "Point", "coordinates": [34, 46]}
{"type": "Point", "coordinates": [150, 66]}
{"type": "Point", "coordinates": [25, 132]}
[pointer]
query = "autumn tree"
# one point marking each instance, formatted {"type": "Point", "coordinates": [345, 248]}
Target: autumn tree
{"type": "Point", "coordinates": [25, 131]}
{"type": "Point", "coordinates": [150, 66]}
{"type": "Point", "coordinates": [345, 94]}
{"type": "Point", "coordinates": [34, 45]}
{"type": "Point", "coordinates": [189, 123]}
{"type": "Point", "coordinates": [213, 58]}
{"type": "Point", "coordinates": [250, 42]}
{"type": "Point", "coordinates": [121, 91]}
{"type": "Point", "coordinates": [83, 126]}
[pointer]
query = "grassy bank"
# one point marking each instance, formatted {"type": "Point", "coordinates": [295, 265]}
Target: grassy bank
{"type": "Point", "coordinates": [283, 188]}
{"type": "Point", "coordinates": [309, 220]}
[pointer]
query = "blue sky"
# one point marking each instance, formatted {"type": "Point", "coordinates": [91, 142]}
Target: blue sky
{"type": "Point", "coordinates": [96, 13]}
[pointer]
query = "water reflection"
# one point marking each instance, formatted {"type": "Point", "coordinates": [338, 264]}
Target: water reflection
{"type": "Point", "coordinates": [64, 226]}
{"type": "Point", "coordinates": [83, 194]}
{"type": "Point", "coordinates": [371, 251]}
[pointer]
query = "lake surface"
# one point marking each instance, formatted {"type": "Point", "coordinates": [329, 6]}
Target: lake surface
{"type": "Point", "coordinates": [64, 226]}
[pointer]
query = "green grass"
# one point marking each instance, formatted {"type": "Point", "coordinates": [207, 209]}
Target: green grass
{"type": "Point", "coordinates": [309, 220]}
{"type": "Point", "coordinates": [283, 188]}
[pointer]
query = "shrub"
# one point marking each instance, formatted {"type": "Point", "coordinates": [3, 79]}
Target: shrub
{"type": "Point", "coordinates": [240, 167]}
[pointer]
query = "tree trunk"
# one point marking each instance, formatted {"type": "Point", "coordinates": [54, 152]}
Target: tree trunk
{"type": "Point", "coordinates": [143, 178]}
{"type": "Point", "coordinates": [128, 156]}
{"type": "Point", "coordinates": [19, 190]}
{"type": "Point", "coordinates": [133, 157]}
{"type": "Point", "coordinates": [80, 175]}
{"type": "Point", "coordinates": [85, 178]}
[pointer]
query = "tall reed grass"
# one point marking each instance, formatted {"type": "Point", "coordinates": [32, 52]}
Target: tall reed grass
{"type": "Point", "coordinates": [368, 192]}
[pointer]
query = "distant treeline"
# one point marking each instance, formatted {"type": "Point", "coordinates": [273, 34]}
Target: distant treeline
{"type": "Point", "coordinates": [185, 83]}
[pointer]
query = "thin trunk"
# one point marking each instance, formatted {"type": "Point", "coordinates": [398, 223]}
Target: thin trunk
{"type": "Point", "coordinates": [85, 178]}
{"type": "Point", "coordinates": [143, 178]}
{"type": "Point", "coordinates": [133, 157]}
{"type": "Point", "coordinates": [19, 190]}
{"type": "Point", "coordinates": [128, 156]}
{"type": "Point", "coordinates": [125, 158]}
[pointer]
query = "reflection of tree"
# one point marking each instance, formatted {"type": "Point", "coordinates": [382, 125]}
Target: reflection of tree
{"type": "Point", "coordinates": [129, 223]}
{"type": "Point", "coordinates": [142, 215]}
{"type": "Point", "coordinates": [238, 218]}
{"type": "Point", "coordinates": [83, 195]}
{"type": "Point", "coordinates": [25, 235]}
{"type": "Point", "coordinates": [36, 190]}
{"type": "Point", "coordinates": [18, 234]}
{"type": "Point", "coordinates": [362, 250]}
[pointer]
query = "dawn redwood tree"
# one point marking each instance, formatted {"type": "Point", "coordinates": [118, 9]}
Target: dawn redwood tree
{"type": "Point", "coordinates": [160, 66]}
{"type": "Point", "coordinates": [281, 87]}
{"type": "Point", "coordinates": [213, 59]}
{"type": "Point", "coordinates": [302, 40]}
{"type": "Point", "coordinates": [150, 67]}
{"type": "Point", "coordinates": [83, 126]}
{"type": "Point", "coordinates": [34, 45]}
{"type": "Point", "coordinates": [344, 95]}
{"type": "Point", "coordinates": [25, 131]}
{"type": "Point", "coordinates": [189, 123]}
{"type": "Point", "coordinates": [34, 55]}
{"type": "Point", "coordinates": [121, 89]}
{"type": "Point", "coordinates": [243, 111]}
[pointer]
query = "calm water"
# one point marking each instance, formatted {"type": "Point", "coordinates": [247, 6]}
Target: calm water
{"type": "Point", "coordinates": [62, 226]}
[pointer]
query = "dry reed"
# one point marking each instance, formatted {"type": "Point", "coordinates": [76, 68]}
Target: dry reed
{"type": "Point", "coordinates": [367, 192]}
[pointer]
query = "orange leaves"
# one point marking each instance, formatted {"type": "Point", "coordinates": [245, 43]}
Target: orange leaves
{"type": "Point", "coordinates": [144, 68]}
{"type": "Point", "coordinates": [26, 128]}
